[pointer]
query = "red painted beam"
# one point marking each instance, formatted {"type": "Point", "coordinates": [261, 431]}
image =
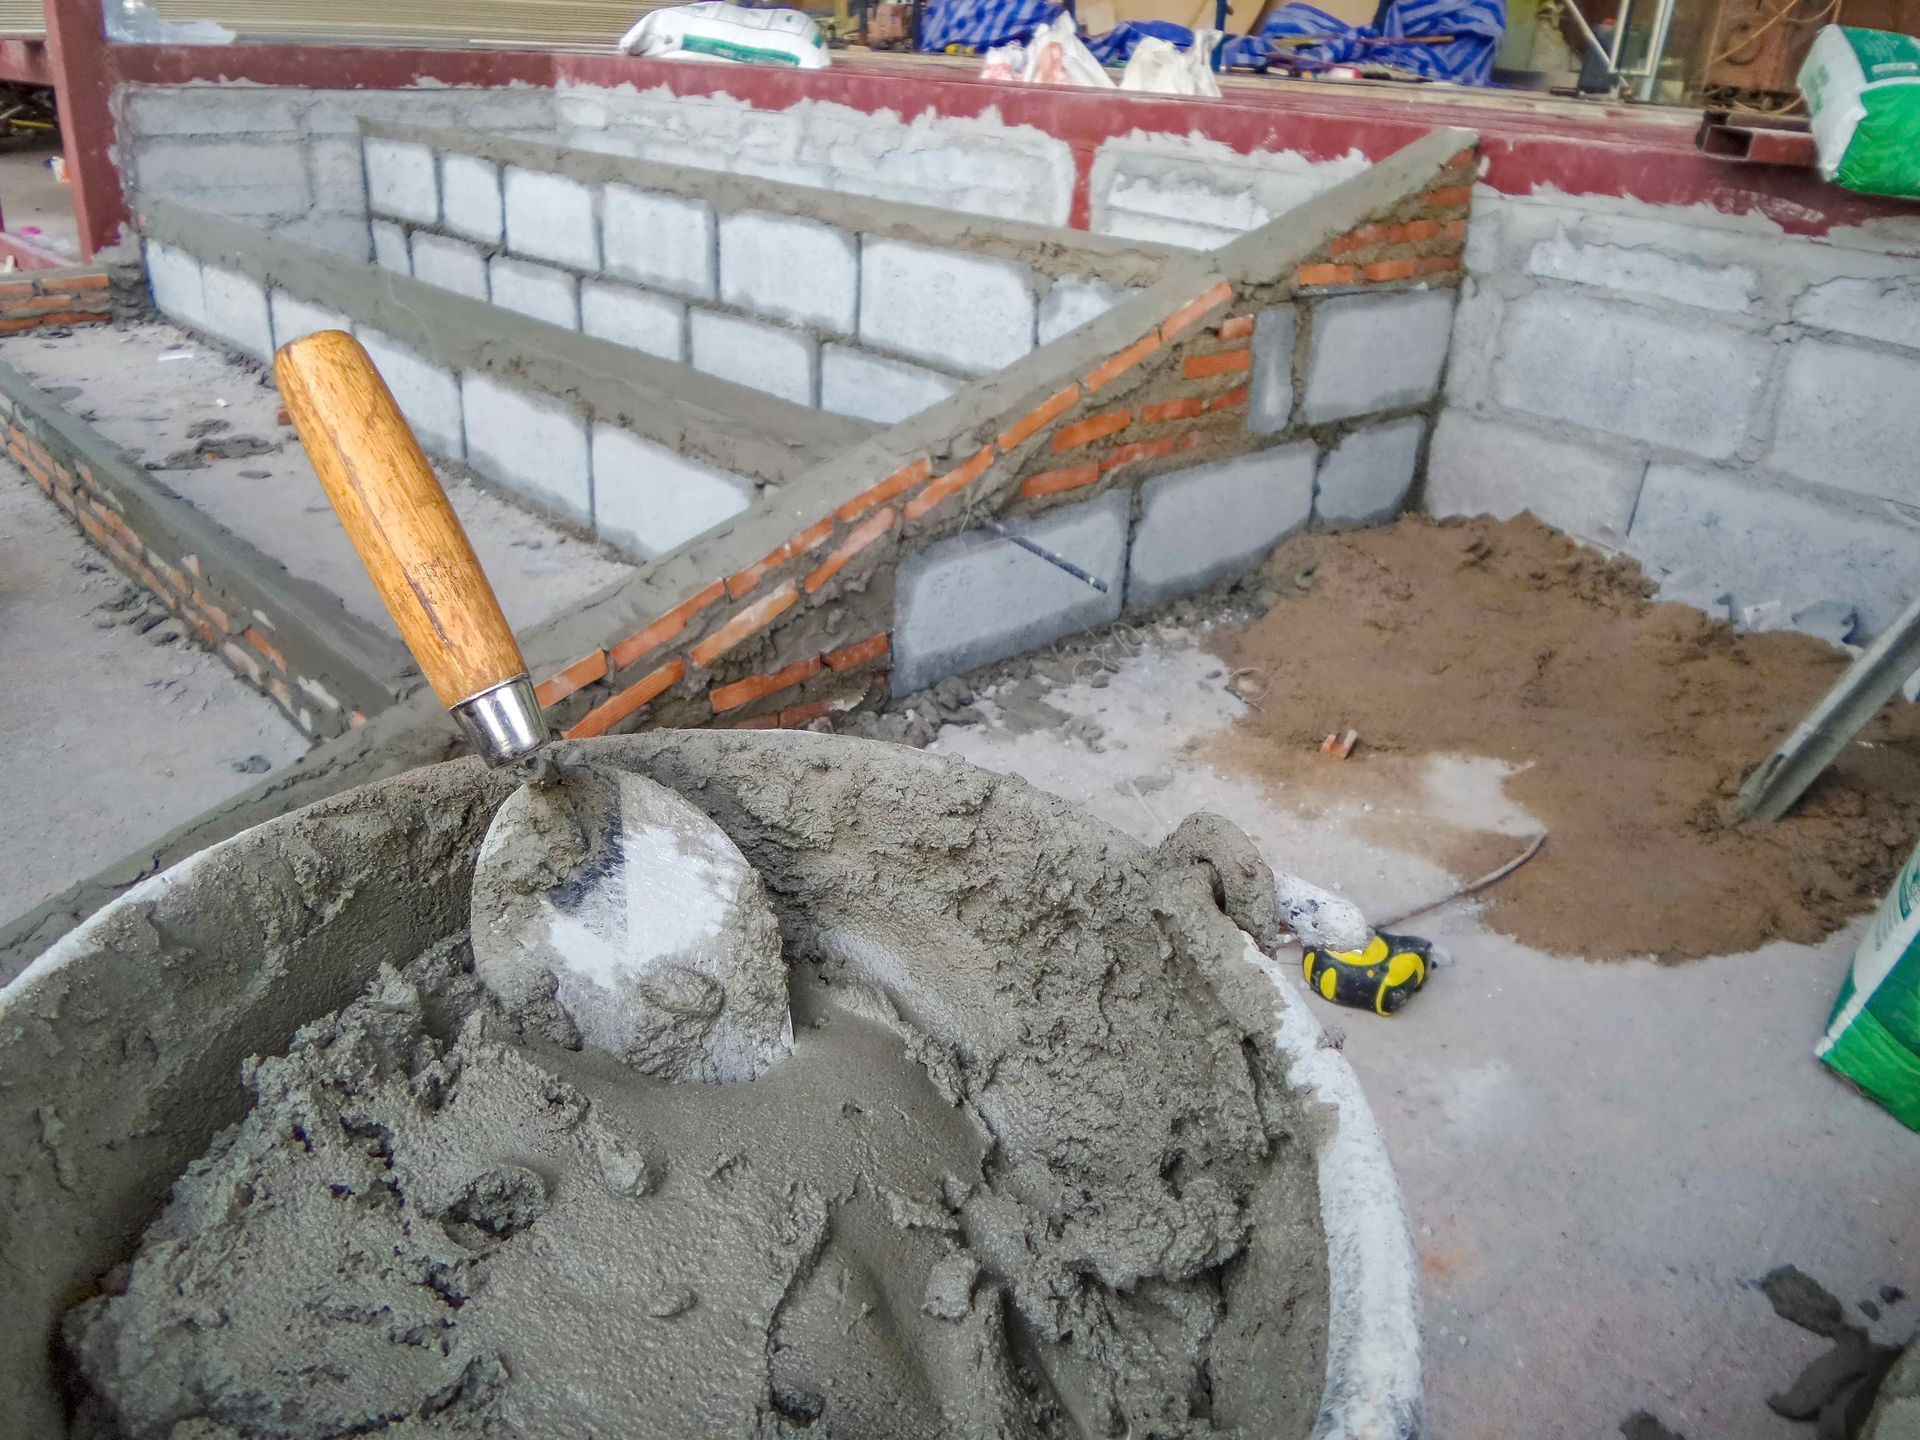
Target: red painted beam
{"type": "Point", "coordinates": [77, 50]}
{"type": "Point", "coordinates": [23, 61]}
{"type": "Point", "coordinates": [1529, 146]}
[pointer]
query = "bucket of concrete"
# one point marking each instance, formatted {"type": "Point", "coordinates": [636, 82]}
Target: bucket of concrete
{"type": "Point", "coordinates": [1052, 1126]}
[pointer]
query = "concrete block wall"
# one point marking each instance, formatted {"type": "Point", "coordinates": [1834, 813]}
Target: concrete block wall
{"type": "Point", "coordinates": [864, 308]}
{"type": "Point", "coordinates": [1130, 446]}
{"type": "Point", "coordinates": [549, 449]}
{"type": "Point", "coordinates": [1735, 407]}
{"type": "Point", "coordinates": [289, 158]}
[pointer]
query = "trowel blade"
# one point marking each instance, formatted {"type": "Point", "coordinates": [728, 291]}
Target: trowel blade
{"type": "Point", "coordinates": [611, 913]}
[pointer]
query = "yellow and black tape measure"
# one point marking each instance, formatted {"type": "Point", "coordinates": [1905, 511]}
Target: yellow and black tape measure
{"type": "Point", "coordinates": [1381, 978]}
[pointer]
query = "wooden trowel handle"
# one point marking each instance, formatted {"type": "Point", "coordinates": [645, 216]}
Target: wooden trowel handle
{"type": "Point", "coordinates": [410, 540]}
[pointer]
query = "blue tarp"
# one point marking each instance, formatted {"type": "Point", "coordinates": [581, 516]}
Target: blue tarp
{"type": "Point", "coordinates": [1468, 60]}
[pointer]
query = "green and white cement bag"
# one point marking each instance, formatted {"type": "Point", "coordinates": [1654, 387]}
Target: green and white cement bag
{"type": "Point", "coordinates": [1863, 94]}
{"type": "Point", "coordinates": [1873, 1036]}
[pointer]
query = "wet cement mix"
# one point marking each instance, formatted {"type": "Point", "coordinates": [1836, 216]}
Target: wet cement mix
{"type": "Point", "coordinates": [1629, 725]}
{"type": "Point", "coordinates": [1065, 1195]}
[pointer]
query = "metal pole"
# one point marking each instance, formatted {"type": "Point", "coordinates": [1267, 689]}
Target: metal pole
{"type": "Point", "coordinates": [1657, 47]}
{"type": "Point", "coordinates": [1619, 35]}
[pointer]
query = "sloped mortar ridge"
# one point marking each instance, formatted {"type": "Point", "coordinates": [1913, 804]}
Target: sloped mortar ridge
{"type": "Point", "coordinates": [1051, 250]}
{"type": "Point", "coordinates": [211, 578]}
{"type": "Point", "coordinates": [807, 573]}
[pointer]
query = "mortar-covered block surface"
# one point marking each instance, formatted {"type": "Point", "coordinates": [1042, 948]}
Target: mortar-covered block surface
{"type": "Point", "coordinates": [871, 387]}
{"type": "Point", "coordinates": [237, 311]}
{"type": "Point", "coordinates": [1851, 417]}
{"type": "Point", "coordinates": [1270, 391]}
{"type": "Point", "coordinates": [541, 291]}
{"type": "Point", "coordinates": [390, 251]}
{"type": "Point", "coordinates": [779, 361]}
{"type": "Point", "coordinates": [401, 182]}
{"type": "Point", "coordinates": [174, 278]}
{"type": "Point", "coordinates": [471, 202]}
{"type": "Point", "coordinates": [455, 265]}
{"type": "Point", "coordinates": [1376, 352]}
{"type": "Point", "coordinates": [1071, 302]}
{"type": "Point", "coordinates": [427, 395]}
{"type": "Point", "coordinates": [530, 443]}
{"type": "Point", "coordinates": [294, 318]}
{"type": "Point", "coordinates": [551, 217]}
{"type": "Point", "coordinates": [1365, 478]}
{"type": "Point", "coordinates": [1207, 524]}
{"type": "Point", "coordinates": [638, 319]}
{"type": "Point", "coordinates": [651, 500]}
{"type": "Point", "coordinates": [969, 314]}
{"type": "Point", "coordinates": [977, 598]}
{"type": "Point", "coordinates": [664, 241]}
{"type": "Point", "coordinates": [1487, 467]}
{"type": "Point", "coordinates": [790, 269]}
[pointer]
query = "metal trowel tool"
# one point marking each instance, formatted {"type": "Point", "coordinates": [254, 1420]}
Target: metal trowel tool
{"type": "Point", "coordinates": [607, 911]}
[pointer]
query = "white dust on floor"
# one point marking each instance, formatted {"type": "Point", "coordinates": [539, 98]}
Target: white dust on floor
{"type": "Point", "coordinates": [1600, 1160]}
{"type": "Point", "coordinates": [109, 738]}
{"type": "Point", "coordinates": [147, 386]}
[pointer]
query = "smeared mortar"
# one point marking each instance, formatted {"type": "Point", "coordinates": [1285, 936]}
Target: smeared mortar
{"type": "Point", "coordinates": [1035, 1173]}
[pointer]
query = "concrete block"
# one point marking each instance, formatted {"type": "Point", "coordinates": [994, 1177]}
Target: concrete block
{"type": "Point", "coordinates": [1376, 352]}
{"type": "Point", "coordinates": [767, 357]}
{"type": "Point", "coordinates": [1644, 271]}
{"type": "Point", "coordinates": [533, 444]}
{"type": "Point", "coordinates": [295, 319]}
{"type": "Point", "coordinates": [1762, 544]}
{"type": "Point", "coordinates": [336, 171]}
{"type": "Point", "coordinates": [1071, 302]}
{"type": "Point", "coordinates": [537, 290]}
{"type": "Point", "coordinates": [1621, 370]}
{"type": "Point", "coordinates": [1201, 526]}
{"type": "Point", "coordinates": [791, 269]}
{"type": "Point", "coordinates": [977, 598]}
{"type": "Point", "coordinates": [663, 241]}
{"type": "Point", "coordinates": [872, 387]}
{"type": "Point", "coordinates": [470, 200]}
{"type": "Point", "coordinates": [1850, 417]}
{"type": "Point", "coordinates": [1182, 190]}
{"type": "Point", "coordinates": [344, 235]}
{"type": "Point", "coordinates": [965, 313]}
{"type": "Point", "coordinates": [1886, 310]}
{"type": "Point", "coordinates": [390, 251]}
{"type": "Point", "coordinates": [427, 395]}
{"type": "Point", "coordinates": [237, 311]}
{"type": "Point", "coordinates": [638, 319]}
{"type": "Point", "coordinates": [254, 178]}
{"type": "Point", "coordinates": [1270, 392]}
{"type": "Point", "coordinates": [205, 110]}
{"type": "Point", "coordinates": [651, 500]}
{"type": "Point", "coordinates": [401, 182]}
{"type": "Point", "coordinates": [1484, 467]}
{"type": "Point", "coordinates": [1365, 478]}
{"type": "Point", "coordinates": [451, 264]}
{"type": "Point", "coordinates": [174, 277]}
{"type": "Point", "coordinates": [551, 217]}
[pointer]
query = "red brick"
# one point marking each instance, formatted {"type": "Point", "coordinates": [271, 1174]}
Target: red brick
{"type": "Point", "coordinates": [1414, 231]}
{"type": "Point", "coordinates": [746, 623]}
{"type": "Point", "coordinates": [742, 581]}
{"type": "Point", "coordinates": [861, 536]}
{"type": "Point", "coordinates": [1448, 197]}
{"type": "Point", "coordinates": [1225, 362]}
{"type": "Point", "coordinates": [1038, 418]}
{"type": "Point", "coordinates": [1356, 239]}
{"type": "Point", "coordinates": [1235, 327]}
{"type": "Point", "coordinates": [769, 721]}
{"type": "Point", "coordinates": [951, 483]}
{"type": "Point", "coordinates": [901, 480]}
{"type": "Point", "coordinates": [811, 537]}
{"type": "Point", "coordinates": [1053, 482]}
{"type": "Point", "coordinates": [569, 678]}
{"type": "Point", "coordinates": [1436, 265]}
{"type": "Point", "coordinates": [277, 688]}
{"type": "Point", "coordinates": [36, 305]}
{"type": "Point", "coordinates": [1327, 274]}
{"type": "Point", "coordinates": [1110, 370]}
{"type": "Point", "coordinates": [213, 612]}
{"type": "Point", "coordinates": [1382, 270]}
{"type": "Point", "coordinates": [66, 284]}
{"type": "Point", "coordinates": [10, 288]}
{"type": "Point", "coordinates": [356, 718]}
{"type": "Point", "coordinates": [266, 647]}
{"type": "Point", "coordinates": [1149, 450]}
{"type": "Point", "coordinates": [1167, 410]}
{"type": "Point", "coordinates": [1194, 311]}
{"type": "Point", "coordinates": [602, 718]}
{"type": "Point", "coordinates": [874, 647]}
{"type": "Point", "coordinates": [758, 687]}
{"type": "Point", "coordinates": [1094, 427]}
{"type": "Point", "coordinates": [1455, 230]}
{"type": "Point", "coordinates": [796, 716]}
{"type": "Point", "coordinates": [651, 637]}
{"type": "Point", "coordinates": [1228, 400]}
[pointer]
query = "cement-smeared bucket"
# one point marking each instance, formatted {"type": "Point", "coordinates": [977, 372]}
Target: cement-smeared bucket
{"type": "Point", "coordinates": [120, 1047]}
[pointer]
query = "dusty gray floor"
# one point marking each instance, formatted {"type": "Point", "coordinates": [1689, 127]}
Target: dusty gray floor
{"type": "Point", "coordinates": [109, 737]}
{"type": "Point", "coordinates": [118, 379]}
{"type": "Point", "coordinates": [31, 200]}
{"type": "Point", "coordinates": [1600, 1159]}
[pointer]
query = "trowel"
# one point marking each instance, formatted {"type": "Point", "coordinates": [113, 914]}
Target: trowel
{"type": "Point", "coordinates": [608, 912]}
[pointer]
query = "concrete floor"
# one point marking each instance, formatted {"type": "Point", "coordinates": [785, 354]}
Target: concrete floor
{"type": "Point", "coordinates": [146, 386]}
{"type": "Point", "coordinates": [109, 737]}
{"type": "Point", "coordinates": [1599, 1159]}
{"type": "Point", "coordinates": [34, 205]}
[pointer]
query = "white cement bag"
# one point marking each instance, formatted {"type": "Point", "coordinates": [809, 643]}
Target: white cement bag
{"type": "Point", "coordinates": [1057, 56]}
{"type": "Point", "coordinates": [714, 30]}
{"type": "Point", "coordinates": [1158, 67]}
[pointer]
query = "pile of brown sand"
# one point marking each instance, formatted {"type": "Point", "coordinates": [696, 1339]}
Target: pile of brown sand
{"type": "Point", "coordinates": [1636, 721]}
